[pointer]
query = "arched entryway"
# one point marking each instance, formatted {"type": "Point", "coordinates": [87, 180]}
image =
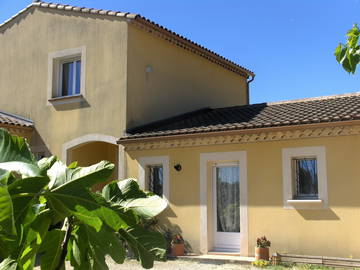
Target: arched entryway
{"type": "Point", "coordinates": [93, 148]}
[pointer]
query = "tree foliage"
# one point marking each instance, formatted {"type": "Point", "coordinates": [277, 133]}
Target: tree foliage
{"type": "Point", "coordinates": [47, 209]}
{"type": "Point", "coordinates": [348, 55]}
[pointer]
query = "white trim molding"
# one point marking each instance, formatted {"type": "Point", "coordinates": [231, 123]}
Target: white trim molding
{"type": "Point", "coordinates": [242, 136]}
{"type": "Point", "coordinates": [210, 158]}
{"type": "Point", "coordinates": [155, 160]}
{"type": "Point", "coordinates": [55, 59]}
{"type": "Point", "coordinates": [319, 152]}
{"type": "Point", "coordinates": [77, 142]}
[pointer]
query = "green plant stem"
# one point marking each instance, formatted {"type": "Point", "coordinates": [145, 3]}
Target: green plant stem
{"type": "Point", "coordinates": [65, 244]}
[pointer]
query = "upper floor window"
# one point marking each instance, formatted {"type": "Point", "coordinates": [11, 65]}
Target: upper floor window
{"type": "Point", "coordinates": [66, 77]}
{"type": "Point", "coordinates": [70, 77]}
{"type": "Point", "coordinates": [305, 176]}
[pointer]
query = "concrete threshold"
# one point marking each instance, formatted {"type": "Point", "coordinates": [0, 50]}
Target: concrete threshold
{"type": "Point", "coordinates": [217, 258]}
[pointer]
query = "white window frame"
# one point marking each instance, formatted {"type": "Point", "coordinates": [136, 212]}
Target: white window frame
{"type": "Point", "coordinates": [155, 160]}
{"type": "Point", "coordinates": [55, 62]}
{"type": "Point", "coordinates": [288, 154]}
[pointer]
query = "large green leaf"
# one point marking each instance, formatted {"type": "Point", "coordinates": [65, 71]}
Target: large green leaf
{"type": "Point", "coordinates": [146, 245]}
{"type": "Point", "coordinates": [35, 236]}
{"type": "Point", "coordinates": [89, 248]}
{"type": "Point", "coordinates": [88, 207]}
{"type": "Point", "coordinates": [78, 249]}
{"type": "Point", "coordinates": [25, 208]}
{"type": "Point", "coordinates": [7, 222]}
{"type": "Point", "coordinates": [85, 177]}
{"type": "Point", "coordinates": [146, 207]}
{"type": "Point", "coordinates": [70, 194]}
{"type": "Point", "coordinates": [127, 194]}
{"type": "Point", "coordinates": [130, 189]}
{"type": "Point", "coordinates": [24, 194]}
{"type": "Point", "coordinates": [15, 155]}
{"type": "Point", "coordinates": [51, 247]}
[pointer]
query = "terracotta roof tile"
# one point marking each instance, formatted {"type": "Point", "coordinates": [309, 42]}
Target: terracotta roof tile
{"type": "Point", "coordinates": [287, 113]}
{"type": "Point", "coordinates": [11, 119]}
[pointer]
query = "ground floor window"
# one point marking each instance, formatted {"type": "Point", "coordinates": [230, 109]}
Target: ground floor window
{"type": "Point", "coordinates": [154, 175]}
{"type": "Point", "coordinates": [155, 179]}
{"type": "Point", "coordinates": [305, 177]}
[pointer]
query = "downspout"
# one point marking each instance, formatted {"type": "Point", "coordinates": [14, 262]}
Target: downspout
{"type": "Point", "coordinates": [248, 88]}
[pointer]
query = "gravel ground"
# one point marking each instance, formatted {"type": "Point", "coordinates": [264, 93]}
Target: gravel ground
{"type": "Point", "coordinates": [172, 265]}
{"type": "Point", "coordinates": [194, 265]}
{"type": "Point", "coordinates": [178, 265]}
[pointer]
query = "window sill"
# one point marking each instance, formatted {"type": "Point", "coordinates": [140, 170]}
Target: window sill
{"type": "Point", "coordinates": [66, 100]}
{"type": "Point", "coordinates": [304, 204]}
{"type": "Point", "coordinates": [301, 201]}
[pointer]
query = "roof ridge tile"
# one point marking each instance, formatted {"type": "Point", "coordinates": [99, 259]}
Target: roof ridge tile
{"type": "Point", "coordinates": [319, 98]}
{"type": "Point", "coordinates": [13, 119]}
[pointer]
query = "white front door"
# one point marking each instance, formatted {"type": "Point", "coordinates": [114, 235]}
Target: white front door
{"type": "Point", "coordinates": [226, 207]}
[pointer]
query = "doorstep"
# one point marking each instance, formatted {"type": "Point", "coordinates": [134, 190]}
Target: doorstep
{"type": "Point", "coordinates": [218, 258]}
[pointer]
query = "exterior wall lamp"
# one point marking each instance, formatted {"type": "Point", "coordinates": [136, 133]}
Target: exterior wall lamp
{"type": "Point", "coordinates": [178, 167]}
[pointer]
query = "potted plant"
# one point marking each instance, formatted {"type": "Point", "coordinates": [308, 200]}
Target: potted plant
{"type": "Point", "coordinates": [262, 248]}
{"type": "Point", "coordinates": [177, 246]}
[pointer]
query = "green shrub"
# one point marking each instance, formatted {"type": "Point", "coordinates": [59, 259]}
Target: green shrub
{"type": "Point", "coordinates": [261, 263]}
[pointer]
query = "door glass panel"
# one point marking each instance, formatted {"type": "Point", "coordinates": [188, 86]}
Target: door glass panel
{"type": "Point", "coordinates": [228, 199]}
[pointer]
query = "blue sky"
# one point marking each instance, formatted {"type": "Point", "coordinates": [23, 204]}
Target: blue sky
{"type": "Point", "coordinates": [289, 44]}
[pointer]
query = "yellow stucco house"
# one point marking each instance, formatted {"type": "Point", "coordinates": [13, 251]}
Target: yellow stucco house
{"type": "Point", "coordinates": [287, 170]}
{"type": "Point", "coordinates": [98, 84]}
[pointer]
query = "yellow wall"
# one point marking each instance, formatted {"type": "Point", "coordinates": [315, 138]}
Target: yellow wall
{"type": "Point", "coordinates": [94, 152]}
{"type": "Point", "coordinates": [331, 232]}
{"type": "Point", "coordinates": [179, 82]}
{"type": "Point", "coordinates": [25, 45]}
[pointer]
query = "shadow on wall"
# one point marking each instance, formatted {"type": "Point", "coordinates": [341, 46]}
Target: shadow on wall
{"type": "Point", "coordinates": [322, 214]}
{"type": "Point", "coordinates": [169, 230]}
{"type": "Point", "coordinates": [38, 146]}
{"type": "Point", "coordinates": [15, 22]}
{"type": "Point", "coordinates": [72, 106]}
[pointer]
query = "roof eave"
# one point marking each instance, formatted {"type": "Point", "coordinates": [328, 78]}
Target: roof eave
{"type": "Point", "coordinates": [8, 125]}
{"type": "Point", "coordinates": [124, 141]}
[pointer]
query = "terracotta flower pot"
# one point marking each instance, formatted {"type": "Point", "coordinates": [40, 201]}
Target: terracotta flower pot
{"type": "Point", "coordinates": [177, 250]}
{"type": "Point", "coordinates": [262, 253]}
